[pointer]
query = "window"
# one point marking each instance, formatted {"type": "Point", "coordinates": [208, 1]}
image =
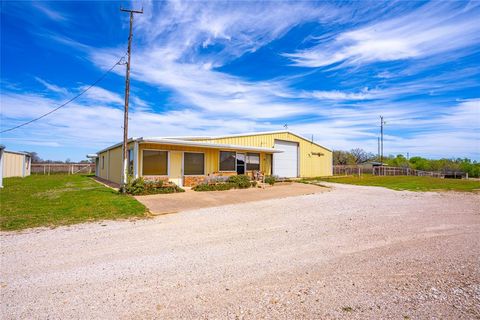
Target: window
{"type": "Point", "coordinates": [227, 161]}
{"type": "Point", "coordinates": [193, 164]}
{"type": "Point", "coordinates": [155, 163]}
{"type": "Point", "coordinates": [130, 161]}
{"type": "Point", "coordinates": [103, 162]}
{"type": "Point", "coordinates": [253, 161]}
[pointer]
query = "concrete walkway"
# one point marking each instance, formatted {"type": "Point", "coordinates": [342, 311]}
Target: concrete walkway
{"type": "Point", "coordinates": [190, 200]}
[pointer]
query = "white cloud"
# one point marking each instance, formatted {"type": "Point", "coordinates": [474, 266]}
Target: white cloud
{"type": "Point", "coordinates": [235, 27]}
{"type": "Point", "coordinates": [340, 95]}
{"type": "Point", "coordinates": [102, 95]}
{"type": "Point", "coordinates": [435, 28]}
{"type": "Point", "coordinates": [51, 87]}
{"type": "Point", "coordinates": [50, 13]}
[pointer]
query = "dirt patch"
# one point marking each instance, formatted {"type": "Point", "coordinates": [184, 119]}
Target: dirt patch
{"type": "Point", "coordinates": [350, 253]}
{"type": "Point", "coordinates": [191, 200]}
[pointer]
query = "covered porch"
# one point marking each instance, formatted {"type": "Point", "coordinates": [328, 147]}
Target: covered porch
{"type": "Point", "coordinates": [188, 163]}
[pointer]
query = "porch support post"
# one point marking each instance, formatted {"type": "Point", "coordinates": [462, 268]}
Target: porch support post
{"type": "Point", "coordinates": [135, 159]}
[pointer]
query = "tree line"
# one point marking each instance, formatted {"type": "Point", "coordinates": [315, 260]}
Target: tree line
{"type": "Point", "coordinates": [358, 156]}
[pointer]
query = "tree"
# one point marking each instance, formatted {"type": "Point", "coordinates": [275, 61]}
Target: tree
{"type": "Point", "coordinates": [340, 157]}
{"type": "Point", "coordinates": [35, 157]}
{"type": "Point", "coordinates": [360, 156]}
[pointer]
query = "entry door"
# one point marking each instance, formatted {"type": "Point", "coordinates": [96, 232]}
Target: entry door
{"type": "Point", "coordinates": [241, 163]}
{"type": "Point", "coordinates": [176, 174]}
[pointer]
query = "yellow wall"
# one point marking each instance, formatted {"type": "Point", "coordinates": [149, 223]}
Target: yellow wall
{"type": "Point", "coordinates": [211, 155]}
{"type": "Point", "coordinates": [13, 165]}
{"type": "Point", "coordinates": [310, 165]}
{"type": "Point", "coordinates": [112, 169]}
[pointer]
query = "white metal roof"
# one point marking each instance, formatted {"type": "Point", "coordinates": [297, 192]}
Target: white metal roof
{"type": "Point", "coordinates": [17, 152]}
{"type": "Point", "coordinates": [243, 135]}
{"type": "Point", "coordinates": [188, 143]}
{"type": "Point", "coordinates": [189, 140]}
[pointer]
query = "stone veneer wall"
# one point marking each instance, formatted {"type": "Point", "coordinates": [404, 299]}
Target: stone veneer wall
{"type": "Point", "coordinates": [192, 181]}
{"type": "Point", "coordinates": [152, 178]}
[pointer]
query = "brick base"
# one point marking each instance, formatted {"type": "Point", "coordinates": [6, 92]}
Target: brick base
{"type": "Point", "coordinates": [156, 178]}
{"type": "Point", "coordinates": [192, 181]}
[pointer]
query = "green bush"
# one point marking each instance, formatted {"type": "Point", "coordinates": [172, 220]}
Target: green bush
{"type": "Point", "coordinates": [141, 187]}
{"type": "Point", "coordinates": [241, 181]}
{"type": "Point", "coordinates": [214, 187]}
{"type": "Point", "coordinates": [134, 186]}
{"type": "Point", "coordinates": [270, 180]}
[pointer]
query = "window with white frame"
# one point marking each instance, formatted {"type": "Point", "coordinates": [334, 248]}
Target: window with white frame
{"type": "Point", "coordinates": [155, 163]}
{"type": "Point", "coordinates": [227, 160]}
{"type": "Point", "coordinates": [193, 164]}
{"type": "Point", "coordinates": [253, 161]}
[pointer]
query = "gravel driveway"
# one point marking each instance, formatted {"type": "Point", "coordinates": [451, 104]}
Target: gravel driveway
{"type": "Point", "coordinates": [353, 252]}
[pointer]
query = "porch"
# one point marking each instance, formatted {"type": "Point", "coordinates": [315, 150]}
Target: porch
{"type": "Point", "coordinates": [188, 163]}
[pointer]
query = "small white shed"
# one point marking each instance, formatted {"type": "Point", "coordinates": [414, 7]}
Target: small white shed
{"type": "Point", "coordinates": [14, 164]}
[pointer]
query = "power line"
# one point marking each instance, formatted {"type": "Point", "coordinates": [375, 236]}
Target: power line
{"type": "Point", "coordinates": [72, 99]}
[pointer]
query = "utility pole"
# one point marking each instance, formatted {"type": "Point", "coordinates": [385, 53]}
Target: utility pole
{"type": "Point", "coordinates": [378, 148]}
{"type": "Point", "coordinates": [381, 138]}
{"type": "Point", "coordinates": [127, 96]}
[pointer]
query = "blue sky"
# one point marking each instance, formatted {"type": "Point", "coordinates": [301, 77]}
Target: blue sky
{"type": "Point", "coordinates": [327, 69]}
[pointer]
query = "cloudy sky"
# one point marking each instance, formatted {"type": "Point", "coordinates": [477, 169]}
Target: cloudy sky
{"type": "Point", "coordinates": [325, 69]}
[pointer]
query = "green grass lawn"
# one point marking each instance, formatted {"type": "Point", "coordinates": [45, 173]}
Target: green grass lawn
{"type": "Point", "coordinates": [405, 182]}
{"type": "Point", "coordinates": [55, 200]}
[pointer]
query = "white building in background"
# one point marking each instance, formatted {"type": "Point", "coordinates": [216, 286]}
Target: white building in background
{"type": "Point", "coordinates": [14, 164]}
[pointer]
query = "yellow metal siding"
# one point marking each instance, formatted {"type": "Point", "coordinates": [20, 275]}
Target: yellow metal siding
{"type": "Point", "coordinates": [102, 171]}
{"type": "Point", "coordinates": [13, 165]}
{"type": "Point", "coordinates": [310, 165]}
{"type": "Point", "coordinates": [115, 165]}
{"type": "Point", "coordinates": [211, 155]}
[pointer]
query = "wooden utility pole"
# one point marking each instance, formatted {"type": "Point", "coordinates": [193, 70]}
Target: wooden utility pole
{"type": "Point", "coordinates": [127, 96]}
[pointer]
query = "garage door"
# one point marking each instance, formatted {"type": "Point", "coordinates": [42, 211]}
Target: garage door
{"type": "Point", "coordinates": [285, 164]}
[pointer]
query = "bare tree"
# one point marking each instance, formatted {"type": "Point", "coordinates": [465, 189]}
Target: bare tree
{"type": "Point", "coordinates": [360, 156]}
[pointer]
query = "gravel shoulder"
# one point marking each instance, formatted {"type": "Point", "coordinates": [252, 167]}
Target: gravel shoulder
{"type": "Point", "coordinates": [353, 252]}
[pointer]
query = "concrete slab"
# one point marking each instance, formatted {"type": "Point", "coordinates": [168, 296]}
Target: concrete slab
{"type": "Point", "coordinates": [190, 200]}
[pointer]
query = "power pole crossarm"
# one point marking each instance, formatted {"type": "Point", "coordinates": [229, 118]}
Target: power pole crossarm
{"type": "Point", "coordinates": [127, 96]}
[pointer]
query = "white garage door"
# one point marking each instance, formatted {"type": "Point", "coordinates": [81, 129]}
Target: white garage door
{"type": "Point", "coordinates": [285, 164]}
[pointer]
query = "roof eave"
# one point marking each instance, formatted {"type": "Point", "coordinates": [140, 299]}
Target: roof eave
{"type": "Point", "coordinates": [207, 145]}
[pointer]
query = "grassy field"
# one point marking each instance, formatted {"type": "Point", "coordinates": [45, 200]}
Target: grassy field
{"type": "Point", "coordinates": [55, 200]}
{"type": "Point", "coordinates": [405, 182]}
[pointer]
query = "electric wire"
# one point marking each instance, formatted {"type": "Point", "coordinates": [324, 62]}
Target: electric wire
{"type": "Point", "coordinates": [72, 99]}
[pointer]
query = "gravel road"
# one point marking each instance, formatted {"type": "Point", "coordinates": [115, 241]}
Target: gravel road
{"type": "Point", "coordinates": [353, 252]}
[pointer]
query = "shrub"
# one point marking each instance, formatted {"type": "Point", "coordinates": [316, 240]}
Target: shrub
{"type": "Point", "coordinates": [216, 179]}
{"type": "Point", "coordinates": [241, 181]}
{"type": "Point", "coordinates": [134, 186]}
{"type": "Point", "coordinates": [141, 187]}
{"type": "Point", "coordinates": [270, 180]}
{"type": "Point", "coordinates": [213, 187]}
